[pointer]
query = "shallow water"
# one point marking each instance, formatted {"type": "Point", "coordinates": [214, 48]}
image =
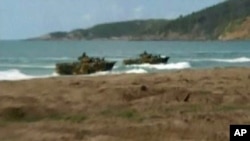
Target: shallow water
{"type": "Point", "coordinates": [29, 59]}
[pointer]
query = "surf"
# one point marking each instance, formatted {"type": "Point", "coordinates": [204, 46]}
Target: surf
{"type": "Point", "coordinates": [15, 74]}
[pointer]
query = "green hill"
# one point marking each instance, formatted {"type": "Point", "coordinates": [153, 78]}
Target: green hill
{"type": "Point", "coordinates": [226, 21]}
{"type": "Point", "coordinates": [118, 30]}
{"type": "Point", "coordinates": [212, 22]}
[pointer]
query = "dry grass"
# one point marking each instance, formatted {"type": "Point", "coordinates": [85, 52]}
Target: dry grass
{"type": "Point", "coordinates": [178, 106]}
{"type": "Point", "coordinates": [241, 31]}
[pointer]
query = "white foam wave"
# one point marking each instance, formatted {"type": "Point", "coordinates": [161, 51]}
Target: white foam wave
{"type": "Point", "coordinates": [179, 65]}
{"type": "Point", "coordinates": [55, 74]}
{"type": "Point", "coordinates": [15, 74]}
{"type": "Point", "coordinates": [137, 71]}
{"type": "Point", "coordinates": [131, 71]}
{"type": "Point", "coordinates": [234, 60]}
{"type": "Point", "coordinates": [28, 66]}
{"type": "Point", "coordinates": [100, 73]}
{"type": "Point", "coordinates": [13, 58]}
{"type": "Point", "coordinates": [39, 58]}
{"type": "Point", "coordinates": [54, 58]}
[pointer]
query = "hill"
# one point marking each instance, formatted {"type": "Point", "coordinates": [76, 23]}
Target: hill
{"type": "Point", "coordinates": [229, 20]}
{"type": "Point", "coordinates": [216, 22]}
{"type": "Point", "coordinates": [119, 30]}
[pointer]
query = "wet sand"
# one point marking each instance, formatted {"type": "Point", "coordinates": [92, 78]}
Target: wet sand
{"type": "Point", "coordinates": [187, 105]}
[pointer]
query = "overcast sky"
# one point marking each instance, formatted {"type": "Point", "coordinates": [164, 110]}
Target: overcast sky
{"type": "Point", "coordinates": [21, 19]}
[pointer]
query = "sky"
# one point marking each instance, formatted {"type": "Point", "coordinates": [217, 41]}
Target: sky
{"type": "Point", "coordinates": [21, 19]}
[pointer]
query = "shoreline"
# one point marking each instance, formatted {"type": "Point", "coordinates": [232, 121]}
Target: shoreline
{"type": "Point", "coordinates": [180, 105]}
{"type": "Point", "coordinates": [54, 75]}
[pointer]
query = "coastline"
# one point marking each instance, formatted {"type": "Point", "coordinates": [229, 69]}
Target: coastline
{"type": "Point", "coordinates": [179, 105]}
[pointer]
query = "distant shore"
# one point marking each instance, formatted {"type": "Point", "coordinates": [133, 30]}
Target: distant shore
{"type": "Point", "coordinates": [181, 105]}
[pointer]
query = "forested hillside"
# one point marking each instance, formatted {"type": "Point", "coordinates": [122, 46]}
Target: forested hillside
{"type": "Point", "coordinates": [229, 20]}
{"type": "Point", "coordinates": [210, 23]}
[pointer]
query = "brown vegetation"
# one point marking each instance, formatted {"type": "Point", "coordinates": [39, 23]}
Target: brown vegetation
{"type": "Point", "coordinates": [238, 32]}
{"type": "Point", "coordinates": [178, 106]}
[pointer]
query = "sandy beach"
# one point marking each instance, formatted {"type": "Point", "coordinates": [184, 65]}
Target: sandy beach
{"type": "Point", "coordinates": [186, 105]}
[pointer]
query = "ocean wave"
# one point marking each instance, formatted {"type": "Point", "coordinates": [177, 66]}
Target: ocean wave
{"type": "Point", "coordinates": [233, 60]}
{"type": "Point", "coordinates": [179, 65]}
{"type": "Point", "coordinates": [130, 71]}
{"type": "Point", "coordinates": [136, 71]}
{"type": "Point", "coordinates": [37, 59]}
{"type": "Point", "coordinates": [28, 66]}
{"type": "Point", "coordinates": [15, 74]}
{"type": "Point", "coordinates": [54, 58]}
{"type": "Point", "coordinates": [13, 58]}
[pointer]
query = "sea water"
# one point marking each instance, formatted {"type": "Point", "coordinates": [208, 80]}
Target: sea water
{"type": "Point", "coordinates": [32, 59]}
